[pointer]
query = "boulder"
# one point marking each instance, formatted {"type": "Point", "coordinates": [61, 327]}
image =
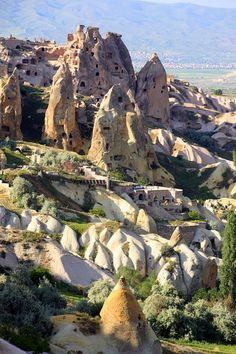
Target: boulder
{"type": "Point", "coordinates": [69, 240]}
{"type": "Point", "coordinates": [36, 225]}
{"type": "Point", "coordinates": [145, 222]}
{"type": "Point", "coordinates": [26, 217]}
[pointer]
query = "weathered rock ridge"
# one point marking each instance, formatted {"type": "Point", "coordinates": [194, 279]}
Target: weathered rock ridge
{"type": "Point", "coordinates": [152, 92]}
{"type": "Point", "coordinates": [10, 107]}
{"type": "Point", "coordinates": [61, 128]}
{"type": "Point", "coordinates": [119, 139]}
{"type": "Point", "coordinates": [98, 63]}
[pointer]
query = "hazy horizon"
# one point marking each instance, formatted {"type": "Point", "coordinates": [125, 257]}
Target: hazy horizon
{"type": "Point", "coordinates": [212, 3]}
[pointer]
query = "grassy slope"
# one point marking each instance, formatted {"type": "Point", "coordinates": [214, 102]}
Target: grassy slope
{"type": "Point", "coordinates": [205, 347]}
{"type": "Point", "coordinates": [186, 176]}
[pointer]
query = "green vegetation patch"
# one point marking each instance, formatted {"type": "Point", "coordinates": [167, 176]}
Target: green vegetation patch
{"type": "Point", "coordinates": [187, 177]}
{"type": "Point", "coordinates": [35, 102]}
{"type": "Point", "coordinates": [15, 157]}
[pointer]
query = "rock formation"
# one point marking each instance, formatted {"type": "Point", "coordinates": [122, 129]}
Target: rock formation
{"type": "Point", "coordinates": [120, 141]}
{"type": "Point", "coordinates": [10, 107]}
{"type": "Point", "coordinates": [98, 63]}
{"type": "Point", "coordinates": [61, 128]}
{"type": "Point", "coordinates": [152, 92]}
{"type": "Point", "coordinates": [123, 319]}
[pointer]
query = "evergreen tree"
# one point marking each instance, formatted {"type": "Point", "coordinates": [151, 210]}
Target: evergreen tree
{"type": "Point", "coordinates": [234, 158]}
{"type": "Point", "coordinates": [228, 268]}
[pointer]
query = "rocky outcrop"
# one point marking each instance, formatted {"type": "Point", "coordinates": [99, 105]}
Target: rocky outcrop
{"type": "Point", "coordinates": [152, 92]}
{"type": "Point", "coordinates": [189, 263]}
{"type": "Point", "coordinates": [120, 141]}
{"type": "Point", "coordinates": [123, 320]}
{"type": "Point", "coordinates": [10, 107]}
{"type": "Point", "coordinates": [61, 128]}
{"type": "Point", "coordinates": [97, 63]}
{"type": "Point", "coordinates": [7, 348]}
{"type": "Point", "coordinates": [166, 142]}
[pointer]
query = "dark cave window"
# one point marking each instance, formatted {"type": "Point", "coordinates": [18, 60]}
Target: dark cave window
{"type": "Point", "coordinates": [82, 84]}
{"type": "Point", "coordinates": [97, 73]}
{"type": "Point", "coordinates": [28, 72]}
{"type": "Point", "coordinates": [120, 99]}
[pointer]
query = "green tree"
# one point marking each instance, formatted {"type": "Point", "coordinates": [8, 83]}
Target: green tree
{"type": "Point", "coordinates": [218, 92]}
{"type": "Point", "coordinates": [234, 158]}
{"type": "Point", "coordinates": [228, 268]}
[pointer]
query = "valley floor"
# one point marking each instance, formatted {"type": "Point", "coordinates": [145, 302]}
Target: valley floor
{"type": "Point", "coordinates": [176, 346]}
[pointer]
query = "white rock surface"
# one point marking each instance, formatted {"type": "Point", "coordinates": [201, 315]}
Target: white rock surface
{"type": "Point", "coordinates": [69, 240]}
{"type": "Point", "coordinates": [7, 348]}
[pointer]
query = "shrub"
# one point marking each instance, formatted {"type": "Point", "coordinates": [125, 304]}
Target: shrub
{"type": "Point", "coordinates": [224, 322]}
{"type": "Point", "coordinates": [26, 338]}
{"type": "Point", "coordinates": [87, 307]}
{"type": "Point", "coordinates": [132, 276]}
{"type": "Point", "coordinates": [7, 143]}
{"type": "Point", "coordinates": [194, 215]}
{"type": "Point", "coordinates": [49, 297]}
{"type": "Point", "coordinates": [49, 208]}
{"type": "Point", "coordinates": [218, 92]}
{"type": "Point", "coordinates": [99, 291]}
{"type": "Point", "coordinates": [143, 289]}
{"type": "Point", "coordinates": [39, 273]}
{"type": "Point", "coordinates": [22, 193]}
{"type": "Point", "coordinates": [98, 212]}
{"type": "Point", "coordinates": [88, 201]}
{"type": "Point", "coordinates": [167, 250]}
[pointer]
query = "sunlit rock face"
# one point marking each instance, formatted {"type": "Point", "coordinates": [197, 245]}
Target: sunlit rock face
{"type": "Point", "coordinates": [98, 63]}
{"type": "Point", "coordinates": [61, 128]}
{"type": "Point", "coordinates": [10, 107]}
{"type": "Point", "coordinates": [152, 92]}
{"type": "Point", "coordinates": [120, 139]}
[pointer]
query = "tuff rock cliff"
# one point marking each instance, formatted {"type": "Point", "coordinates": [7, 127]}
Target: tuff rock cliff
{"type": "Point", "coordinates": [120, 141]}
{"type": "Point", "coordinates": [61, 128]}
{"type": "Point", "coordinates": [152, 92]}
{"type": "Point", "coordinates": [10, 107]}
{"type": "Point", "coordinates": [98, 63]}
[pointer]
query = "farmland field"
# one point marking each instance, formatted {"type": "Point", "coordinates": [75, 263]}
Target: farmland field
{"type": "Point", "coordinates": [207, 78]}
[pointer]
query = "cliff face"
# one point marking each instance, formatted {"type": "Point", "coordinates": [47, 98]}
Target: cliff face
{"type": "Point", "coordinates": [61, 128]}
{"type": "Point", "coordinates": [152, 92]}
{"type": "Point", "coordinates": [97, 63]}
{"type": "Point", "coordinates": [10, 107]}
{"type": "Point", "coordinates": [120, 140]}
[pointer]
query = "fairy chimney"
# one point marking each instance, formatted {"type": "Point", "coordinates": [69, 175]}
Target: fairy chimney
{"type": "Point", "coordinates": [61, 128]}
{"type": "Point", "coordinates": [152, 92]}
{"type": "Point", "coordinates": [122, 319]}
{"type": "Point", "coordinates": [120, 140]}
{"type": "Point", "coordinates": [10, 107]}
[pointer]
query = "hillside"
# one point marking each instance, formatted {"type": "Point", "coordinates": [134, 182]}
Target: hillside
{"type": "Point", "coordinates": [175, 30]}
